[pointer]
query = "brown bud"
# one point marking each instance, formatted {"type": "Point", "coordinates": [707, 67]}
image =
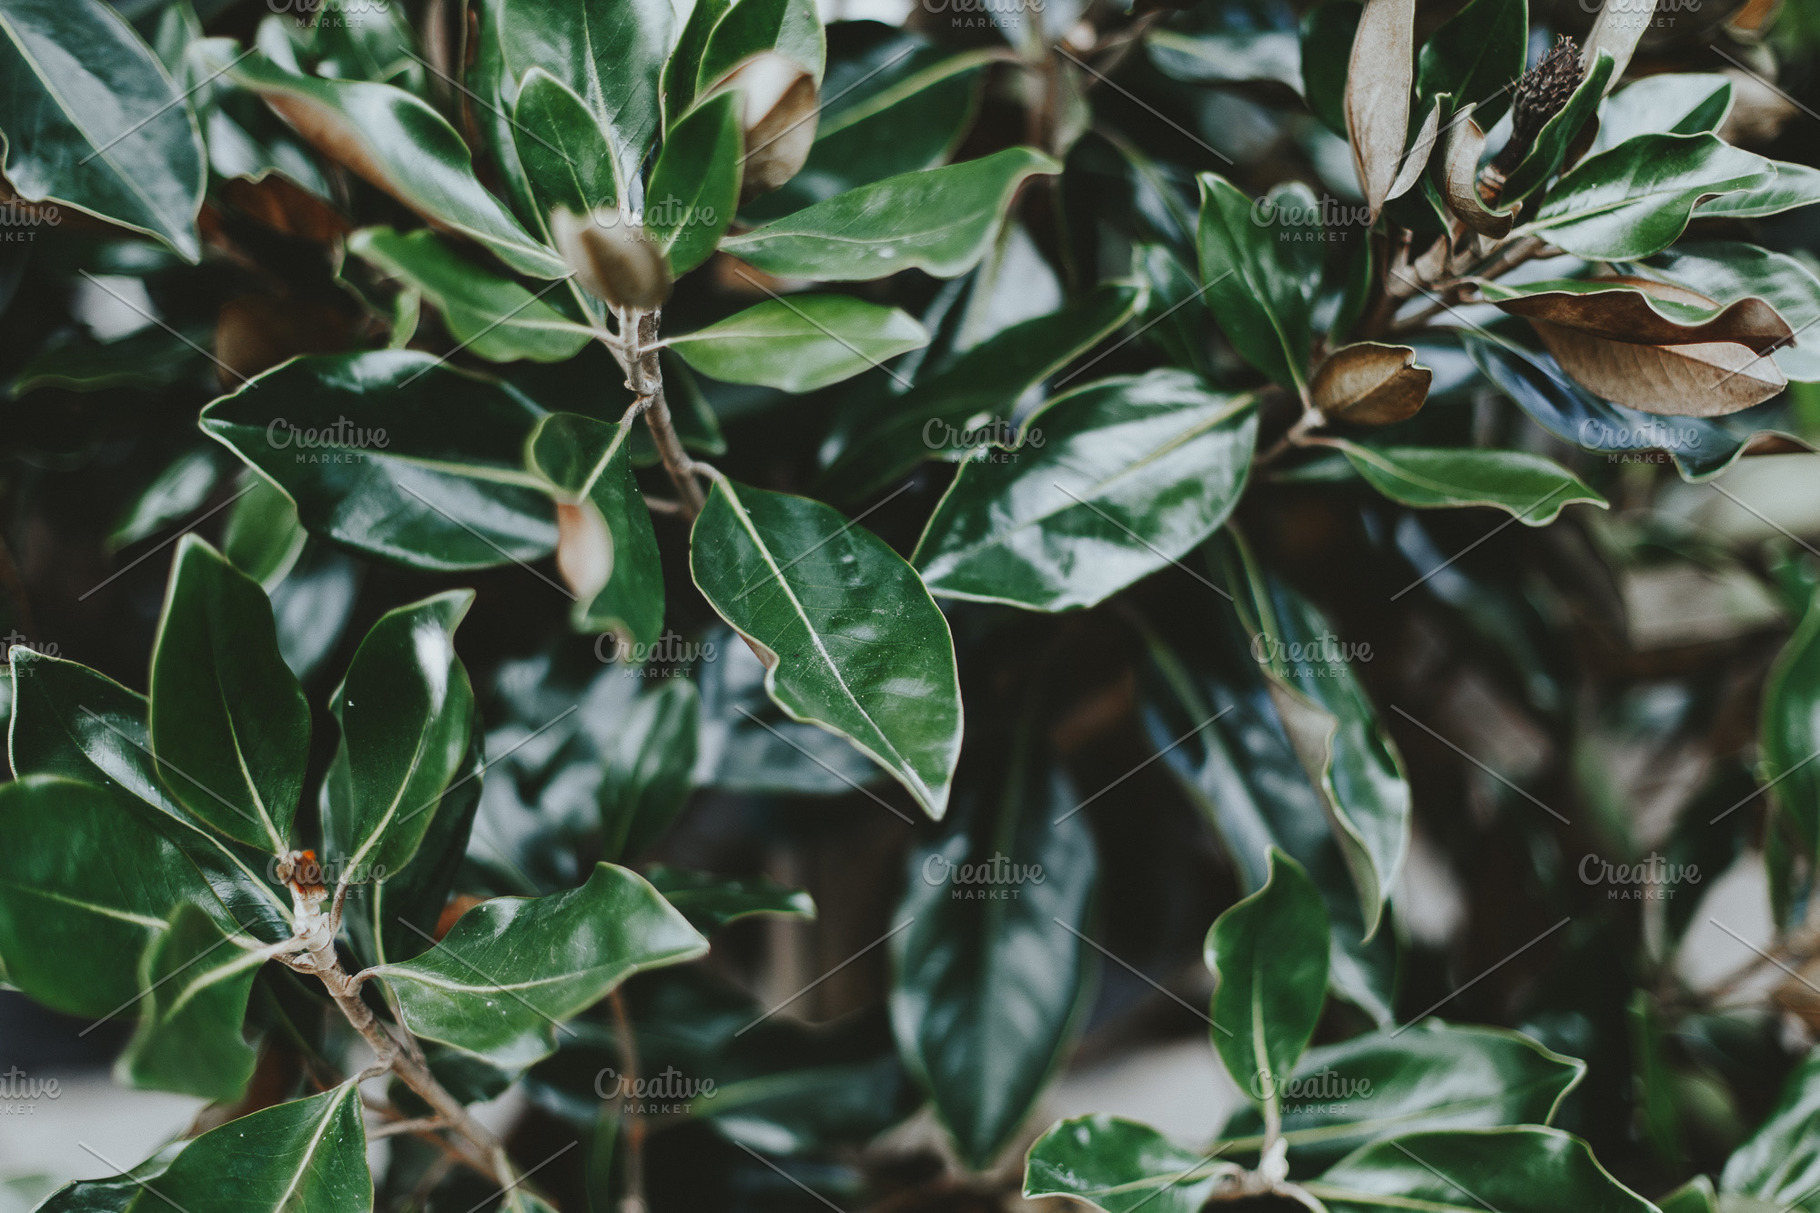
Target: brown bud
{"type": "Point", "coordinates": [778, 111]}
{"type": "Point", "coordinates": [584, 548]}
{"type": "Point", "coordinates": [1539, 95]}
{"type": "Point", "coordinates": [613, 258]}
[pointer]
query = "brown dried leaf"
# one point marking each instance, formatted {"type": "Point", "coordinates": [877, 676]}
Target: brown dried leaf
{"type": "Point", "coordinates": [1460, 181]}
{"type": "Point", "coordinates": [285, 207]}
{"type": "Point", "coordinates": [1623, 313]}
{"type": "Point", "coordinates": [1370, 384]}
{"type": "Point", "coordinates": [1379, 75]}
{"type": "Point", "coordinates": [254, 333]}
{"type": "Point", "coordinates": [1417, 157]}
{"type": "Point", "coordinates": [1703, 379]}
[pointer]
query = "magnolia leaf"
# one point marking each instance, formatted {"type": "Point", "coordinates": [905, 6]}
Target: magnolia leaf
{"type": "Point", "coordinates": [307, 1154]}
{"type": "Point", "coordinates": [940, 220]}
{"type": "Point", "coordinates": [88, 878]}
{"type": "Point", "coordinates": [986, 986]}
{"type": "Point", "coordinates": [1379, 76]}
{"type": "Point", "coordinates": [406, 712]}
{"type": "Point", "coordinates": [1636, 199]}
{"type": "Point", "coordinates": [1101, 487]}
{"type": "Point", "coordinates": [711, 902]}
{"type": "Point", "coordinates": [695, 183]}
{"type": "Point", "coordinates": [1327, 36]}
{"type": "Point", "coordinates": [566, 154]}
{"type": "Point", "coordinates": [1533, 489]}
{"type": "Point", "coordinates": [1268, 954]}
{"type": "Point", "coordinates": [790, 28]}
{"type": "Point", "coordinates": [1370, 384]}
{"type": "Point", "coordinates": [1475, 55]}
{"type": "Point", "coordinates": [1779, 1164]}
{"type": "Point", "coordinates": [1790, 729]}
{"type": "Point", "coordinates": [1120, 1166]}
{"type": "Point", "coordinates": [487, 313]}
{"type": "Point", "coordinates": [229, 724]}
{"type": "Point", "coordinates": [196, 983]}
{"type": "Point", "coordinates": [1432, 1075]}
{"type": "Point", "coordinates": [824, 602]}
{"type": "Point", "coordinates": [607, 549]}
{"type": "Point", "coordinates": [800, 343]}
{"type": "Point", "coordinates": [363, 444]}
{"type": "Point", "coordinates": [94, 122]}
{"type": "Point", "coordinates": [1727, 272]}
{"type": "Point", "coordinates": [1643, 311]}
{"type": "Point", "coordinates": [1259, 279]}
{"type": "Point", "coordinates": [511, 969]}
{"type": "Point", "coordinates": [1794, 185]}
{"type": "Point", "coordinates": [1523, 1169]}
{"type": "Point", "coordinates": [1671, 103]}
{"type": "Point", "coordinates": [1420, 148]}
{"type": "Point", "coordinates": [1615, 32]}
{"type": "Point", "coordinates": [1460, 180]}
{"type": "Point", "coordinates": [400, 145]}
{"type": "Point", "coordinates": [1698, 379]}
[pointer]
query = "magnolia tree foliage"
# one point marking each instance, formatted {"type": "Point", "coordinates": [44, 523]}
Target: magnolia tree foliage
{"type": "Point", "coordinates": [955, 422]}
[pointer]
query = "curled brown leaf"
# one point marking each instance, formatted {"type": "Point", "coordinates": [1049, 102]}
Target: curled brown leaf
{"type": "Point", "coordinates": [1700, 379]}
{"type": "Point", "coordinates": [1460, 181]}
{"type": "Point", "coordinates": [1370, 384]}
{"type": "Point", "coordinates": [1379, 76]}
{"type": "Point", "coordinates": [1624, 312]}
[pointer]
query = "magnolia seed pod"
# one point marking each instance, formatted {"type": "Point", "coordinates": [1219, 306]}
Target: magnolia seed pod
{"type": "Point", "coordinates": [612, 258]}
{"type": "Point", "coordinates": [778, 109]}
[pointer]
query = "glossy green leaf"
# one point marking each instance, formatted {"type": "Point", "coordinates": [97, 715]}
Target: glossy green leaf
{"type": "Point", "coordinates": [406, 711]}
{"type": "Point", "coordinates": [1268, 954]}
{"type": "Point", "coordinates": [986, 381]}
{"type": "Point", "coordinates": [486, 312]}
{"type": "Point", "coordinates": [711, 902]}
{"type": "Point", "coordinates": [609, 52]}
{"type": "Point", "coordinates": [1672, 103]}
{"type": "Point", "coordinates": [1794, 185]}
{"type": "Point", "coordinates": [1475, 57]}
{"type": "Point", "coordinates": [1101, 487]}
{"type": "Point", "coordinates": [789, 27]}
{"type": "Point", "coordinates": [151, 358]}
{"type": "Point", "coordinates": [566, 155]}
{"type": "Point", "coordinates": [511, 969]}
{"type": "Point", "coordinates": [1327, 33]}
{"type": "Point", "coordinates": [297, 1157]}
{"type": "Point", "coordinates": [1120, 1166]}
{"type": "Point", "coordinates": [1259, 279]}
{"type": "Point", "coordinates": [1221, 55]}
{"type": "Point", "coordinates": [1694, 1196]}
{"type": "Point", "coordinates": [363, 444]}
{"type": "Point", "coordinates": [850, 638]}
{"type": "Point", "coordinates": [695, 183]}
{"type": "Point", "coordinates": [1636, 199]}
{"type": "Point", "coordinates": [1779, 1164]}
{"type": "Point", "coordinates": [1533, 489]}
{"type": "Point", "coordinates": [799, 343]}
{"type": "Point", "coordinates": [1431, 1075]}
{"type": "Point", "coordinates": [990, 974]}
{"type": "Point", "coordinates": [1332, 727]}
{"type": "Point", "coordinates": [115, 1195]}
{"type": "Point", "coordinates": [400, 145]}
{"type": "Point", "coordinates": [180, 489]}
{"type": "Point", "coordinates": [1556, 137]}
{"type": "Point", "coordinates": [1518, 1170]}
{"type": "Point", "coordinates": [649, 762]}
{"type": "Point", "coordinates": [1790, 729]}
{"type": "Point", "coordinates": [87, 879]}
{"type": "Point", "coordinates": [264, 537]}
{"type": "Point", "coordinates": [196, 982]}
{"type": "Point", "coordinates": [684, 64]}
{"type": "Point", "coordinates": [228, 722]}
{"type": "Point", "coordinates": [899, 106]}
{"type": "Point", "coordinates": [940, 220]}
{"type": "Point", "coordinates": [1726, 271]}
{"type": "Point", "coordinates": [1240, 770]}
{"type": "Point", "coordinates": [589, 464]}
{"type": "Point", "coordinates": [91, 120]}
{"type": "Point", "coordinates": [69, 721]}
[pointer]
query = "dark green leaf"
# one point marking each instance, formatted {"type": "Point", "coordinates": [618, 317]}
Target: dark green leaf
{"type": "Point", "coordinates": [1672, 103]}
{"type": "Point", "coordinates": [1533, 489]}
{"type": "Point", "coordinates": [179, 489]}
{"type": "Point", "coordinates": [511, 969]}
{"type": "Point", "coordinates": [789, 27]}
{"type": "Point", "coordinates": [1794, 185]}
{"type": "Point", "coordinates": [1259, 277]}
{"type": "Point", "coordinates": [1327, 33]}
{"type": "Point", "coordinates": [607, 548]}
{"type": "Point", "coordinates": [196, 982]}
{"type": "Point", "coordinates": [1791, 729]}
{"type": "Point", "coordinates": [940, 220]}
{"type": "Point", "coordinates": [91, 120]}
{"type": "Point", "coordinates": [565, 153]}
{"type": "Point", "coordinates": [1120, 1166]}
{"type": "Point", "coordinates": [800, 343]}
{"type": "Point", "coordinates": [1476, 56]}
{"type": "Point", "coordinates": [828, 603]}
{"type": "Point", "coordinates": [1269, 955]}
{"type": "Point", "coordinates": [1518, 1170]}
{"type": "Point", "coordinates": [1101, 487]}
{"type": "Point", "coordinates": [87, 880]}
{"type": "Point", "coordinates": [711, 902]}
{"type": "Point", "coordinates": [309, 1154]}
{"type": "Point", "coordinates": [263, 537]}
{"type": "Point", "coordinates": [363, 444]}
{"type": "Point", "coordinates": [695, 184]}
{"type": "Point", "coordinates": [1779, 1164]}
{"type": "Point", "coordinates": [649, 758]}
{"type": "Point", "coordinates": [991, 970]}
{"type": "Point", "coordinates": [487, 313]}
{"type": "Point", "coordinates": [228, 722]}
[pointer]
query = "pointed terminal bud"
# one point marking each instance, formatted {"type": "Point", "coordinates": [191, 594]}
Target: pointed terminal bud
{"type": "Point", "coordinates": [612, 258]}
{"type": "Point", "coordinates": [778, 111]}
{"type": "Point", "coordinates": [1539, 95]}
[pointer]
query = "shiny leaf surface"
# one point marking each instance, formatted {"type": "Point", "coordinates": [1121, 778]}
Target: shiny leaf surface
{"type": "Point", "coordinates": [799, 343]}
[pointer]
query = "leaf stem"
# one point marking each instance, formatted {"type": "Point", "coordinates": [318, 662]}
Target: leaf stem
{"type": "Point", "coordinates": [632, 1124]}
{"type": "Point", "coordinates": [645, 378]}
